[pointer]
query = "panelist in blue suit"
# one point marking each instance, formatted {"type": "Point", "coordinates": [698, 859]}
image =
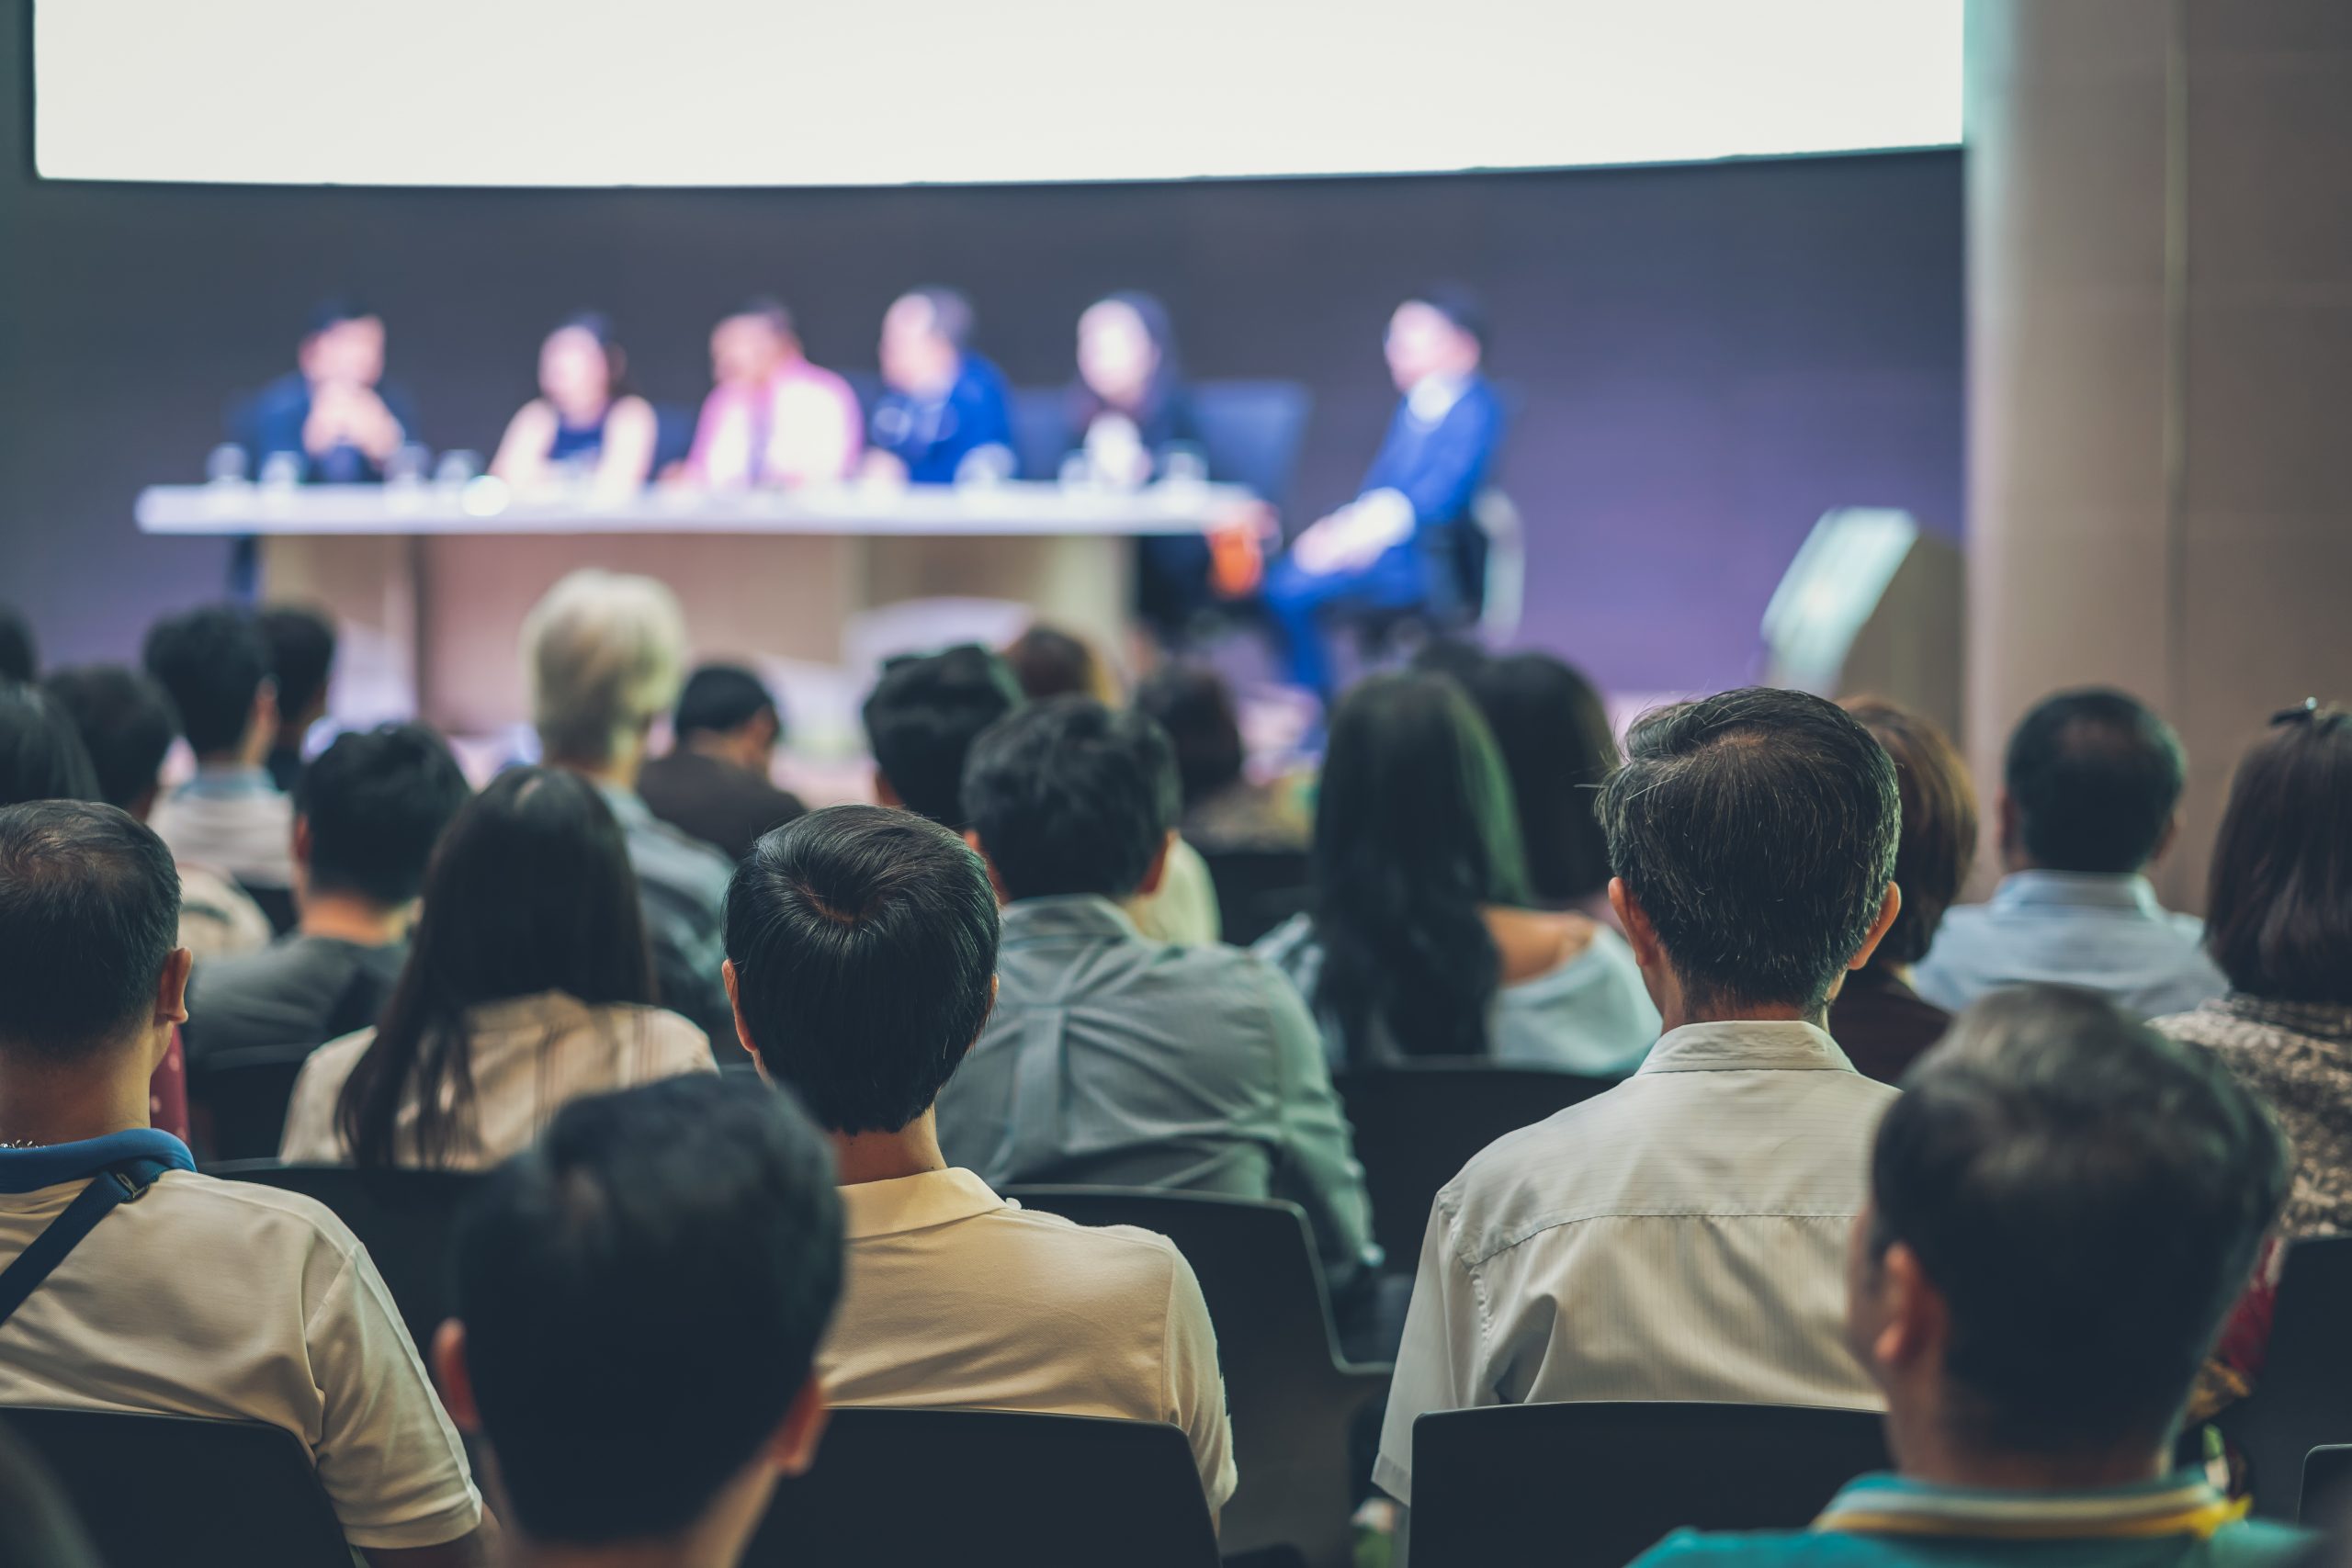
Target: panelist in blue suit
{"type": "Point", "coordinates": [944, 406]}
{"type": "Point", "coordinates": [1395, 546]}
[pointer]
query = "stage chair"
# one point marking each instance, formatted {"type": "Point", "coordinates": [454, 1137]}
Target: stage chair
{"type": "Point", "coordinates": [1289, 1393]}
{"type": "Point", "coordinates": [1040, 432]}
{"type": "Point", "coordinates": [1251, 431]}
{"type": "Point", "coordinates": [402, 1217]}
{"type": "Point", "coordinates": [1257, 890]}
{"type": "Point", "coordinates": [173, 1489]}
{"type": "Point", "coordinates": [1418, 1121]}
{"type": "Point", "coordinates": [948, 1486]}
{"type": "Point", "coordinates": [2304, 1398]}
{"type": "Point", "coordinates": [1594, 1486]}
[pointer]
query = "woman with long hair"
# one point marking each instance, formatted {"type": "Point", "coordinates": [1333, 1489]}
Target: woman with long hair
{"type": "Point", "coordinates": [1419, 939]}
{"type": "Point", "coordinates": [528, 984]}
{"type": "Point", "coordinates": [584, 422]}
{"type": "Point", "coordinates": [1558, 748]}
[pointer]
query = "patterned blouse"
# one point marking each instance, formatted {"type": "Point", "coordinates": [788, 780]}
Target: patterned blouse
{"type": "Point", "coordinates": [2298, 1056]}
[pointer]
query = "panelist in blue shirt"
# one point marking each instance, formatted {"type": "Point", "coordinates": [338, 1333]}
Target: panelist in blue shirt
{"type": "Point", "coordinates": [332, 413]}
{"type": "Point", "coordinates": [946, 406]}
{"type": "Point", "coordinates": [1394, 547]}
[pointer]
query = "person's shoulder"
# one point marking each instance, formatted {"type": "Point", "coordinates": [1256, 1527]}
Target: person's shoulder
{"type": "Point", "coordinates": [666, 1031]}
{"type": "Point", "coordinates": [1287, 943]}
{"type": "Point", "coordinates": [1101, 1260]}
{"type": "Point", "coordinates": [257, 1211]}
{"type": "Point", "coordinates": [1698, 1548]}
{"type": "Point", "coordinates": [2258, 1543]}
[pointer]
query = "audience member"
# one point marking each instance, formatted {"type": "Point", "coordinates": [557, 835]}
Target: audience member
{"type": "Point", "coordinates": [585, 426]}
{"type": "Point", "coordinates": [1682, 1235]}
{"type": "Point", "coordinates": [945, 411]}
{"type": "Point", "coordinates": [127, 721]}
{"type": "Point", "coordinates": [1050, 662]}
{"type": "Point", "coordinates": [2062, 1205]}
{"type": "Point", "coordinates": [1880, 1022]}
{"type": "Point", "coordinates": [1225, 810]}
{"type": "Point", "coordinates": [141, 1312]}
{"type": "Point", "coordinates": [861, 949]}
{"type": "Point", "coordinates": [19, 654]}
{"type": "Point", "coordinates": [334, 416]}
{"type": "Point", "coordinates": [302, 658]}
{"type": "Point", "coordinates": [2090, 799]}
{"type": "Point", "coordinates": [1115, 1059]}
{"type": "Point", "coordinates": [606, 655]}
{"type": "Point", "coordinates": [921, 720]}
{"type": "Point", "coordinates": [215, 664]}
{"type": "Point", "coordinates": [2279, 922]}
{"type": "Point", "coordinates": [1126, 412]}
{"type": "Point", "coordinates": [682, 1240]}
{"type": "Point", "coordinates": [528, 984]}
{"type": "Point", "coordinates": [41, 754]}
{"type": "Point", "coordinates": [1419, 941]}
{"type": "Point", "coordinates": [772, 417]}
{"type": "Point", "coordinates": [1559, 750]}
{"type": "Point", "coordinates": [715, 784]}
{"type": "Point", "coordinates": [367, 815]}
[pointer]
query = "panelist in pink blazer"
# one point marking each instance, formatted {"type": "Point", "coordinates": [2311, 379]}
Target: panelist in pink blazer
{"type": "Point", "coordinates": [772, 417]}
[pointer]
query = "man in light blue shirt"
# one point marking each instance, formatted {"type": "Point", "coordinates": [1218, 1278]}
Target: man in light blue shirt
{"type": "Point", "coordinates": [2090, 797]}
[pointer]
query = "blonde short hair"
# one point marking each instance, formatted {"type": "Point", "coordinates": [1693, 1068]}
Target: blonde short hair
{"type": "Point", "coordinates": [605, 654]}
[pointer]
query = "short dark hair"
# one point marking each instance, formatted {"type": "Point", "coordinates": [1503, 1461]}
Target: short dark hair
{"type": "Point", "coordinates": [126, 722]}
{"type": "Point", "coordinates": [301, 654]}
{"type": "Point", "coordinates": [720, 697]}
{"type": "Point", "coordinates": [1194, 705]}
{"type": "Point", "coordinates": [1070, 797]}
{"type": "Point", "coordinates": [951, 312]}
{"type": "Point", "coordinates": [1051, 662]}
{"type": "Point", "coordinates": [765, 307]}
{"type": "Point", "coordinates": [923, 717]}
{"type": "Point", "coordinates": [376, 801]}
{"type": "Point", "coordinates": [212, 661]}
{"type": "Point", "coordinates": [1757, 830]}
{"type": "Point", "coordinates": [335, 310]}
{"type": "Point", "coordinates": [1459, 304]}
{"type": "Point", "coordinates": [1938, 842]}
{"type": "Point", "coordinates": [89, 911]}
{"type": "Point", "coordinates": [863, 942]}
{"type": "Point", "coordinates": [2094, 774]}
{"type": "Point", "coordinates": [1559, 746]}
{"type": "Point", "coordinates": [41, 754]}
{"type": "Point", "coordinates": [643, 1293]}
{"type": "Point", "coordinates": [2279, 908]}
{"type": "Point", "coordinates": [19, 654]}
{"type": "Point", "coordinates": [2088, 1196]}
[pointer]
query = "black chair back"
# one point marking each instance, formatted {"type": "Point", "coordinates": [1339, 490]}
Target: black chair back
{"type": "Point", "coordinates": [991, 1486]}
{"type": "Point", "coordinates": [1040, 431]}
{"type": "Point", "coordinates": [1251, 431]}
{"type": "Point", "coordinates": [402, 1217]}
{"type": "Point", "coordinates": [2327, 1489]}
{"type": "Point", "coordinates": [1419, 1122]}
{"type": "Point", "coordinates": [193, 1493]}
{"type": "Point", "coordinates": [1596, 1486]}
{"type": "Point", "coordinates": [1257, 890]}
{"type": "Point", "coordinates": [2304, 1398]}
{"type": "Point", "coordinates": [238, 1100]}
{"type": "Point", "coordinates": [1290, 1398]}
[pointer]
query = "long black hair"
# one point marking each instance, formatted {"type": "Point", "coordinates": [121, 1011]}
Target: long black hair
{"type": "Point", "coordinates": [1559, 749]}
{"type": "Point", "coordinates": [529, 890]}
{"type": "Point", "coordinates": [1415, 835]}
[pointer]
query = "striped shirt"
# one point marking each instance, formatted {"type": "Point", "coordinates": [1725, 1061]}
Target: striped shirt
{"type": "Point", "coordinates": [1681, 1237]}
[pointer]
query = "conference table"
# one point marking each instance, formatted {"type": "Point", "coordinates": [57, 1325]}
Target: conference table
{"type": "Point", "coordinates": [433, 580]}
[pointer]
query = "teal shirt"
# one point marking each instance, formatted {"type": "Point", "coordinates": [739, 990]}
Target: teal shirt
{"type": "Point", "coordinates": [1885, 1521]}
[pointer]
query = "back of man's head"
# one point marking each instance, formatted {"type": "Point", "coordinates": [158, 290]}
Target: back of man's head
{"type": "Point", "coordinates": [2088, 1197]}
{"type": "Point", "coordinates": [923, 717]}
{"type": "Point", "coordinates": [863, 944]}
{"type": "Point", "coordinates": [641, 1295]}
{"type": "Point", "coordinates": [2093, 777]}
{"type": "Point", "coordinates": [719, 699]}
{"type": "Point", "coordinates": [301, 657]}
{"type": "Point", "coordinates": [604, 654]}
{"type": "Point", "coordinates": [1757, 831]}
{"type": "Point", "coordinates": [213, 662]}
{"type": "Point", "coordinates": [1070, 797]}
{"type": "Point", "coordinates": [89, 915]}
{"type": "Point", "coordinates": [372, 805]}
{"type": "Point", "coordinates": [125, 723]}
{"type": "Point", "coordinates": [41, 754]}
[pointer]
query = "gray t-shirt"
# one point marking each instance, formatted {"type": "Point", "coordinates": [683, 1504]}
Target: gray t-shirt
{"type": "Point", "coordinates": [292, 996]}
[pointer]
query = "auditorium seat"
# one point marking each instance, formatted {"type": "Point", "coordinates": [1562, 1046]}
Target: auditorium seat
{"type": "Point", "coordinates": [402, 1217]}
{"type": "Point", "coordinates": [948, 1486]}
{"type": "Point", "coordinates": [1257, 890]}
{"type": "Point", "coordinates": [237, 1101]}
{"type": "Point", "coordinates": [1594, 1486]}
{"type": "Point", "coordinates": [1290, 1395]}
{"type": "Point", "coordinates": [2303, 1399]}
{"type": "Point", "coordinates": [1418, 1122]}
{"type": "Point", "coordinates": [172, 1489]}
{"type": "Point", "coordinates": [2327, 1488]}
{"type": "Point", "coordinates": [1251, 432]}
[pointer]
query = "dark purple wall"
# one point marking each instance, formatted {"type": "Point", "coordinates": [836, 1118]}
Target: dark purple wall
{"type": "Point", "coordinates": [1708, 357]}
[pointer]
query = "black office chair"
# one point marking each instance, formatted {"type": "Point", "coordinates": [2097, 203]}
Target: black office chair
{"type": "Point", "coordinates": [2327, 1502]}
{"type": "Point", "coordinates": [193, 1493]}
{"type": "Point", "coordinates": [1290, 1395]}
{"type": "Point", "coordinates": [1257, 890]}
{"type": "Point", "coordinates": [2304, 1398]}
{"type": "Point", "coordinates": [1251, 431]}
{"type": "Point", "coordinates": [402, 1217]}
{"type": "Point", "coordinates": [1596, 1486]}
{"type": "Point", "coordinates": [991, 1486]}
{"type": "Point", "coordinates": [1419, 1122]}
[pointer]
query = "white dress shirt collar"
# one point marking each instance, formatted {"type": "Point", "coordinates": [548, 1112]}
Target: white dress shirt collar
{"type": "Point", "coordinates": [915, 1202]}
{"type": "Point", "coordinates": [1743, 1046]}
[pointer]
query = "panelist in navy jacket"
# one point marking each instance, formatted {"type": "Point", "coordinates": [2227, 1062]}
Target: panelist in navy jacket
{"type": "Point", "coordinates": [1395, 546]}
{"type": "Point", "coordinates": [943, 402]}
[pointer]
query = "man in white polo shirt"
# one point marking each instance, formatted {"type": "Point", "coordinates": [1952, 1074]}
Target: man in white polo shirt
{"type": "Point", "coordinates": [861, 959]}
{"type": "Point", "coordinates": [197, 1297]}
{"type": "Point", "coordinates": [1683, 1236]}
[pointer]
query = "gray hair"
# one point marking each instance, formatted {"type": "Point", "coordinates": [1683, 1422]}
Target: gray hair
{"type": "Point", "coordinates": [605, 654]}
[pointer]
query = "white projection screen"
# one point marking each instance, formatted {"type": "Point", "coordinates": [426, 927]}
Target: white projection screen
{"type": "Point", "coordinates": [891, 92]}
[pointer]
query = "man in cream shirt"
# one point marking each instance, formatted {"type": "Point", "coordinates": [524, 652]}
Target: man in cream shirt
{"type": "Point", "coordinates": [207, 1298]}
{"type": "Point", "coordinates": [1682, 1237]}
{"type": "Point", "coordinates": [861, 960]}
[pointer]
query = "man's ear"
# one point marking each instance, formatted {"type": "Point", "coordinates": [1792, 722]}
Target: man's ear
{"type": "Point", "coordinates": [793, 1449]}
{"type": "Point", "coordinates": [972, 837]}
{"type": "Point", "coordinates": [2010, 831]}
{"type": "Point", "coordinates": [171, 987]}
{"type": "Point", "coordinates": [1639, 932]}
{"type": "Point", "coordinates": [1888, 908]}
{"type": "Point", "coordinates": [449, 1372]}
{"type": "Point", "coordinates": [985, 1017]}
{"type": "Point", "coordinates": [302, 842]}
{"type": "Point", "coordinates": [261, 724]}
{"type": "Point", "coordinates": [1914, 1323]}
{"type": "Point", "coordinates": [742, 1031]}
{"type": "Point", "coordinates": [1156, 875]}
{"type": "Point", "coordinates": [883, 793]}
